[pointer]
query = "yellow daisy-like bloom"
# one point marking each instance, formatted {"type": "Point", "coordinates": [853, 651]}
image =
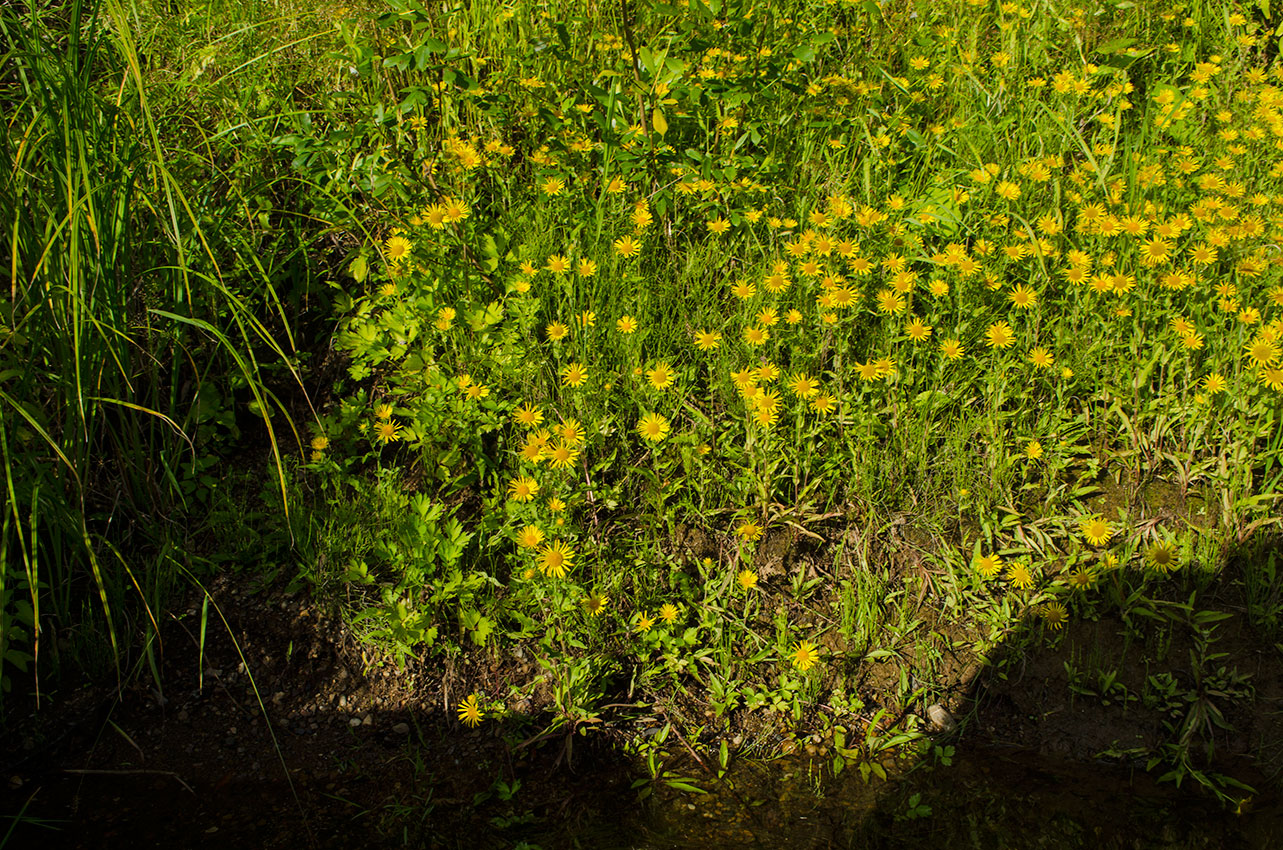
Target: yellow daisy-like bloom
{"type": "Point", "coordinates": [917, 330]}
{"type": "Point", "coordinates": [1262, 351]}
{"type": "Point", "coordinates": [570, 431]}
{"type": "Point", "coordinates": [383, 411]}
{"type": "Point", "coordinates": [824, 404]}
{"type": "Point", "coordinates": [398, 248]}
{"type": "Point", "coordinates": [556, 558]}
{"type": "Point", "coordinates": [756, 336]}
{"type": "Point", "coordinates": [653, 428]}
{"type": "Point", "coordinates": [793, 317]}
{"type": "Point", "coordinates": [445, 318]}
{"type": "Point", "coordinates": [999, 335]}
{"type": "Point", "coordinates": [643, 622]}
{"type": "Point", "coordinates": [1033, 450]}
{"type": "Point", "coordinates": [1162, 556]}
{"type": "Point", "coordinates": [1023, 297]}
{"type": "Point", "coordinates": [747, 579]}
{"type": "Point", "coordinates": [470, 712]}
{"type": "Point", "coordinates": [1192, 341]}
{"type": "Point", "coordinates": [522, 489]}
{"type": "Point", "coordinates": [556, 331]}
{"type": "Point", "coordinates": [387, 432]}
{"type": "Point", "coordinates": [553, 186]}
{"type": "Point", "coordinates": [320, 443]}
{"type": "Point", "coordinates": [768, 317]}
{"type": "Point", "coordinates": [562, 456]}
{"type": "Point", "coordinates": [1042, 358]}
{"type": "Point", "coordinates": [749, 531]}
{"type": "Point", "coordinates": [718, 226]}
{"type": "Point", "coordinates": [1095, 530]}
{"type": "Point", "coordinates": [528, 415]}
{"type": "Point", "coordinates": [989, 566]}
{"type": "Point", "coordinates": [586, 268]}
{"type": "Point", "coordinates": [595, 603]}
{"type": "Point", "coordinates": [805, 655]}
{"type": "Point", "coordinates": [661, 377]}
{"type": "Point", "coordinates": [743, 290]}
{"type": "Point", "coordinates": [668, 612]}
{"type": "Point", "coordinates": [627, 246]}
{"type": "Point", "coordinates": [626, 325]}
{"type": "Point", "coordinates": [556, 505]}
{"type": "Point", "coordinates": [1020, 576]}
{"type": "Point", "coordinates": [803, 386]}
{"type": "Point", "coordinates": [435, 217]}
{"type": "Point", "coordinates": [1082, 578]}
{"type": "Point", "coordinates": [574, 375]}
{"type": "Point", "coordinates": [707, 340]}
{"type": "Point", "coordinates": [454, 210]}
{"type": "Point", "coordinates": [1214, 382]}
{"type": "Point", "coordinates": [1053, 615]}
{"type": "Point", "coordinates": [951, 349]}
{"type": "Point", "coordinates": [530, 537]}
{"type": "Point", "coordinates": [1272, 377]}
{"type": "Point", "coordinates": [767, 372]}
{"type": "Point", "coordinates": [558, 264]}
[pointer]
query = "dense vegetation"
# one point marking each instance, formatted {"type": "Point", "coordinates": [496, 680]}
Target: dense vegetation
{"type": "Point", "coordinates": [711, 351]}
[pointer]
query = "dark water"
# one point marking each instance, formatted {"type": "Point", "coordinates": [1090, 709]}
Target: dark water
{"type": "Point", "coordinates": [987, 798]}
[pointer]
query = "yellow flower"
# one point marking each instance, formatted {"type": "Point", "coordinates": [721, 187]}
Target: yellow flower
{"type": "Point", "coordinates": [470, 711]}
{"type": "Point", "coordinates": [555, 559]}
{"type": "Point", "coordinates": [755, 335]}
{"type": "Point", "coordinates": [747, 579]}
{"type": "Point", "coordinates": [643, 622]}
{"type": "Point", "coordinates": [528, 415]}
{"type": "Point", "coordinates": [805, 655]}
{"type": "Point", "coordinates": [951, 349]}
{"type": "Point", "coordinates": [626, 325]}
{"type": "Point", "coordinates": [383, 411]}
{"type": "Point", "coordinates": [574, 375]}
{"type": "Point", "coordinates": [595, 603]}
{"type": "Point", "coordinates": [453, 211]}
{"type": "Point", "coordinates": [530, 537]}
{"type": "Point", "coordinates": [1023, 297]}
{"type": "Point", "coordinates": [661, 377]}
{"type": "Point", "coordinates": [1095, 530]}
{"type": "Point", "coordinates": [627, 246]}
{"type": "Point", "coordinates": [570, 431]}
{"type": "Point", "coordinates": [668, 613]}
{"type": "Point", "coordinates": [387, 432]}
{"type": "Point", "coordinates": [824, 404]}
{"type": "Point", "coordinates": [556, 331]}
{"type": "Point", "coordinates": [707, 340]}
{"type": "Point", "coordinates": [999, 335]}
{"type": "Point", "coordinates": [917, 330]}
{"type": "Point", "coordinates": [398, 248]}
{"type": "Point", "coordinates": [1033, 450]}
{"type": "Point", "coordinates": [522, 489]}
{"type": "Point", "coordinates": [653, 428]}
{"type": "Point", "coordinates": [1020, 576]}
{"type": "Point", "coordinates": [1042, 358]}
{"type": "Point", "coordinates": [558, 264]}
{"type": "Point", "coordinates": [586, 268]}
{"type": "Point", "coordinates": [1162, 556]}
{"type": "Point", "coordinates": [749, 531]}
{"type": "Point", "coordinates": [1054, 615]}
{"type": "Point", "coordinates": [989, 565]}
{"type": "Point", "coordinates": [553, 186]}
{"type": "Point", "coordinates": [562, 455]}
{"type": "Point", "coordinates": [320, 443]}
{"type": "Point", "coordinates": [803, 386]}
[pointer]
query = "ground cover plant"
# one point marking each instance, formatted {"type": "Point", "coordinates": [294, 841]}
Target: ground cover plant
{"type": "Point", "coordinates": [765, 367]}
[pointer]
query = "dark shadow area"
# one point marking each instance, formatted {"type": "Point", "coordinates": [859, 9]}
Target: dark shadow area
{"type": "Point", "coordinates": [1058, 731]}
